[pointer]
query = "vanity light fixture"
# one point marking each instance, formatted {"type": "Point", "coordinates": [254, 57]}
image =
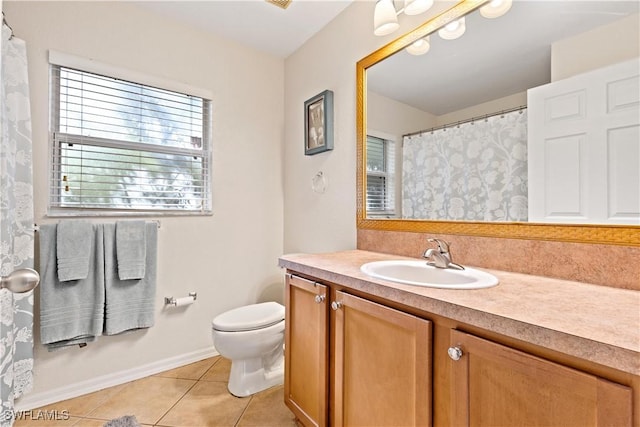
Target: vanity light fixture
{"type": "Point", "coordinates": [495, 8]}
{"type": "Point", "coordinates": [385, 16]}
{"type": "Point", "coordinates": [385, 20]}
{"type": "Point", "coordinates": [453, 29]}
{"type": "Point", "coordinates": [419, 47]}
{"type": "Point", "coordinates": [416, 7]}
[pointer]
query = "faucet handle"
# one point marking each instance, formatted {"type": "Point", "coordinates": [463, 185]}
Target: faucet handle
{"type": "Point", "coordinates": [443, 246]}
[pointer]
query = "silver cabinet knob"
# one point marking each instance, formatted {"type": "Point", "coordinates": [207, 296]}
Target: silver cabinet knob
{"type": "Point", "coordinates": [336, 305]}
{"type": "Point", "coordinates": [320, 299]}
{"type": "Point", "coordinates": [455, 353]}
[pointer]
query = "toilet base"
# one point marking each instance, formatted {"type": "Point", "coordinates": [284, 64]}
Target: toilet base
{"type": "Point", "coordinates": [249, 376]}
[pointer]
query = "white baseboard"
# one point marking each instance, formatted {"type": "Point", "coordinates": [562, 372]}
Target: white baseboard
{"type": "Point", "coordinates": [36, 400]}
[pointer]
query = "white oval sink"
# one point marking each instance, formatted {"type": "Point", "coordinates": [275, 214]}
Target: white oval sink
{"type": "Point", "coordinates": [420, 274]}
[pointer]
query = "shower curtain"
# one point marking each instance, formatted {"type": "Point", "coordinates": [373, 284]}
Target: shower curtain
{"type": "Point", "coordinates": [16, 223]}
{"type": "Point", "coordinates": [476, 171]}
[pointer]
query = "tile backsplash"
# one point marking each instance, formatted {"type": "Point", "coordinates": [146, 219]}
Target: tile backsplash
{"type": "Point", "coordinates": [607, 265]}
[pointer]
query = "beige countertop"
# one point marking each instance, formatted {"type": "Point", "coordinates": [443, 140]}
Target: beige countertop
{"type": "Point", "coordinates": [596, 323]}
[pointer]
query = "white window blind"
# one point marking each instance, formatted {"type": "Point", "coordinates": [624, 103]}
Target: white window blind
{"type": "Point", "coordinates": [124, 146]}
{"type": "Point", "coordinates": [380, 177]}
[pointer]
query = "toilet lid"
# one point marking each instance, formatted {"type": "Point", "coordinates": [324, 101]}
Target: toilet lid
{"type": "Point", "coordinates": [249, 317]}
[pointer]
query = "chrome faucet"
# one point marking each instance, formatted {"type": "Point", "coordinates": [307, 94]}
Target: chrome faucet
{"type": "Point", "coordinates": [440, 257]}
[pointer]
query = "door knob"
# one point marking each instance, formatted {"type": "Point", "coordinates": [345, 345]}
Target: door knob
{"type": "Point", "coordinates": [455, 353]}
{"type": "Point", "coordinates": [20, 281]}
{"type": "Point", "coordinates": [336, 305]}
{"type": "Point", "coordinates": [320, 299]}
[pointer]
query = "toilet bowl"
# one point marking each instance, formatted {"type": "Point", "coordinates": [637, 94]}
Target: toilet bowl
{"type": "Point", "coordinates": [252, 337]}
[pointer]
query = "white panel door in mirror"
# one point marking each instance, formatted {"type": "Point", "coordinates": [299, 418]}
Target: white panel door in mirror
{"type": "Point", "coordinates": [576, 126]}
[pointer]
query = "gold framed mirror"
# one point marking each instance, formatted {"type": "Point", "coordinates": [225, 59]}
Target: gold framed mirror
{"type": "Point", "coordinates": [628, 235]}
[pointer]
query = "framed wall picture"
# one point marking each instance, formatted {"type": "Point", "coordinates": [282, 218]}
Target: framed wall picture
{"type": "Point", "coordinates": [318, 123]}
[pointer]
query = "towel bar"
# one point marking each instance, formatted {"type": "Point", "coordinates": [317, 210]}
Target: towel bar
{"type": "Point", "coordinates": [36, 227]}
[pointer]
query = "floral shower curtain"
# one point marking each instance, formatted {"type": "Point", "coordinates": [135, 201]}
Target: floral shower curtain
{"type": "Point", "coordinates": [476, 171]}
{"type": "Point", "coordinates": [16, 223]}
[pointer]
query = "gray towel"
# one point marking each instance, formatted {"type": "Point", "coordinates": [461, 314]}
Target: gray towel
{"type": "Point", "coordinates": [131, 249]}
{"type": "Point", "coordinates": [70, 312]}
{"type": "Point", "coordinates": [74, 240]}
{"type": "Point", "coordinates": [129, 303]}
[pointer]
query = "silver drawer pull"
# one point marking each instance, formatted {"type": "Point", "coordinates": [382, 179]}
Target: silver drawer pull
{"type": "Point", "coordinates": [20, 281]}
{"type": "Point", "coordinates": [455, 353]}
{"type": "Point", "coordinates": [336, 305]}
{"type": "Point", "coordinates": [320, 299]}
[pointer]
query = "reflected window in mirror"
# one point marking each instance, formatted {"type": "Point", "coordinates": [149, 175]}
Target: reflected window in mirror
{"type": "Point", "coordinates": [381, 177]}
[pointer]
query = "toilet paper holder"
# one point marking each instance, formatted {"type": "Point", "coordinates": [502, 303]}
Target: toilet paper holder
{"type": "Point", "coordinates": [173, 301]}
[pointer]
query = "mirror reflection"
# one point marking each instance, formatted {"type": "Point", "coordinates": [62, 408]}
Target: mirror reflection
{"type": "Point", "coordinates": [497, 124]}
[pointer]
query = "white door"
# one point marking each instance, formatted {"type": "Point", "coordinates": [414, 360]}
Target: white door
{"type": "Point", "coordinates": [584, 147]}
{"type": "Point", "coordinates": [16, 227]}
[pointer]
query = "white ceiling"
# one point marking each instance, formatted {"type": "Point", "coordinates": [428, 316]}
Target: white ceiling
{"type": "Point", "coordinates": [481, 67]}
{"type": "Point", "coordinates": [254, 23]}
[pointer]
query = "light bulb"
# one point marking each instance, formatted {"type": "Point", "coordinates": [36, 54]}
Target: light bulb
{"type": "Point", "coordinates": [495, 8]}
{"type": "Point", "coordinates": [419, 47]}
{"type": "Point", "coordinates": [452, 26]}
{"type": "Point", "coordinates": [416, 7]}
{"type": "Point", "coordinates": [385, 20]}
{"type": "Point", "coordinates": [453, 29]}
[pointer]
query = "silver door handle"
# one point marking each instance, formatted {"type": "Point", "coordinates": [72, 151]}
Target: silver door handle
{"type": "Point", "coordinates": [20, 281]}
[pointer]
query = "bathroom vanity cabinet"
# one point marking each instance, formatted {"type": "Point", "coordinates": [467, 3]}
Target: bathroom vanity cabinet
{"type": "Point", "coordinates": [375, 360]}
{"type": "Point", "coordinates": [357, 355]}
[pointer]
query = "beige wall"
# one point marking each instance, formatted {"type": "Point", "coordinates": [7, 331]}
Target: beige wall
{"type": "Point", "coordinates": [489, 107]}
{"type": "Point", "coordinates": [229, 258]}
{"type": "Point", "coordinates": [609, 44]}
{"type": "Point", "coordinates": [326, 222]}
{"type": "Point", "coordinates": [391, 117]}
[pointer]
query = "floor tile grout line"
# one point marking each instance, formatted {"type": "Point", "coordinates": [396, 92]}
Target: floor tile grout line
{"type": "Point", "coordinates": [244, 411]}
{"type": "Point", "coordinates": [176, 402]}
{"type": "Point", "coordinates": [106, 399]}
{"type": "Point", "coordinates": [218, 359]}
{"type": "Point", "coordinates": [196, 381]}
{"type": "Point", "coordinates": [159, 374]}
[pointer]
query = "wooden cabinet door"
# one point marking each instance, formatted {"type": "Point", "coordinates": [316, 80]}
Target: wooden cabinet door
{"type": "Point", "coordinates": [382, 365]}
{"type": "Point", "coordinates": [494, 385]}
{"type": "Point", "coordinates": [306, 352]}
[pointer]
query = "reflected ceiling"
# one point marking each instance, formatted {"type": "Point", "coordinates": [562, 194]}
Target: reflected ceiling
{"type": "Point", "coordinates": [450, 84]}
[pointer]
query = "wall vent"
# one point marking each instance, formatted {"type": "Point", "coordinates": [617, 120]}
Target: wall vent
{"type": "Point", "coordinates": [280, 3]}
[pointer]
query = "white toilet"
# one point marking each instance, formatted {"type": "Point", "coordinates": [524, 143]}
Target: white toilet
{"type": "Point", "coordinates": [252, 337]}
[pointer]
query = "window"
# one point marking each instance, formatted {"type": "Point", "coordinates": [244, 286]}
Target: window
{"type": "Point", "coordinates": [125, 146]}
{"type": "Point", "coordinates": [380, 177]}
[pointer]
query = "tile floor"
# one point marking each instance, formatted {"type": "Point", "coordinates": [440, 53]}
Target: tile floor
{"type": "Point", "coordinates": [194, 395]}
